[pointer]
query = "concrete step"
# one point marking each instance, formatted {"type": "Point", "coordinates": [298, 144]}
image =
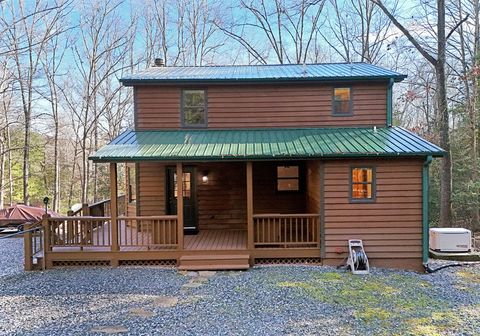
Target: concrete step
{"type": "Point", "coordinates": [214, 262]}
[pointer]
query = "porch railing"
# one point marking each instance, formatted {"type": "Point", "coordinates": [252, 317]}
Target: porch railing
{"type": "Point", "coordinates": [78, 232]}
{"type": "Point", "coordinates": [153, 232]}
{"type": "Point", "coordinates": [101, 208]}
{"type": "Point", "coordinates": [286, 231]}
{"type": "Point", "coordinates": [159, 232]}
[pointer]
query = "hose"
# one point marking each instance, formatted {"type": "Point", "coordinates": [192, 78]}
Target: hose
{"type": "Point", "coordinates": [359, 259]}
{"type": "Point", "coordinates": [428, 269]}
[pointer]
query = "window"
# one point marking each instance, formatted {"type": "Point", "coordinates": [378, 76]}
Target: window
{"type": "Point", "coordinates": [342, 102]}
{"type": "Point", "coordinates": [132, 193]}
{"type": "Point", "coordinates": [288, 178]}
{"type": "Point", "coordinates": [187, 189]}
{"type": "Point", "coordinates": [194, 108]}
{"type": "Point", "coordinates": [362, 185]}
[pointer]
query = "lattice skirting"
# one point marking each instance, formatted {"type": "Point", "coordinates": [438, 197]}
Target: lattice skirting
{"type": "Point", "coordinates": [80, 263]}
{"type": "Point", "coordinates": [287, 261]}
{"type": "Point", "coordinates": [166, 263]}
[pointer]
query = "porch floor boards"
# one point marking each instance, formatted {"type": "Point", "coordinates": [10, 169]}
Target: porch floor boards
{"type": "Point", "coordinates": [216, 240]}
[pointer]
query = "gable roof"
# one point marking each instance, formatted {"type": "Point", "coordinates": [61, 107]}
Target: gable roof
{"type": "Point", "coordinates": [262, 73]}
{"type": "Point", "coordinates": [264, 144]}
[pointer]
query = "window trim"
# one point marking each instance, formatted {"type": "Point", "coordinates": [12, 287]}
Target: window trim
{"type": "Point", "coordinates": [350, 105]}
{"type": "Point", "coordinates": [300, 177]}
{"type": "Point", "coordinates": [374, 185]}
{"type": "Point", "coordinates": [182, 119]}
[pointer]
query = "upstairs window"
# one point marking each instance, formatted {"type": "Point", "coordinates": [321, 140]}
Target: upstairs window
{"type": "Point", "coordinates": [362, 185]}
{"type": "Point", "coordinates": [288, 178]}
{"type": "Point", "coordinates": [342, 101]}
{"type": "Point", "coordinates": [194, 108]}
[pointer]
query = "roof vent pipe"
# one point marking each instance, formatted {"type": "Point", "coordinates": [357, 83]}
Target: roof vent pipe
{"type": "Point", "coordinates": [158, 62]}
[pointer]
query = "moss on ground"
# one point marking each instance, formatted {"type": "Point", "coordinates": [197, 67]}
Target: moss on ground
{"type": "Point", "coordinates": [389, 300]}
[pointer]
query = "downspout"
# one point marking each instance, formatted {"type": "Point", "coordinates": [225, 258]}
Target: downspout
{"type": "Point", "coordinates": [425, 224]}
{"type": "Point", "coordinates": [389, 103]}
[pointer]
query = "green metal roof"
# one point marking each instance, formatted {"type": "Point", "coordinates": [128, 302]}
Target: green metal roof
{"type": "Point", "coordinates": [264, 144]}
{"type": "Point", "coordinates": [262, 73]}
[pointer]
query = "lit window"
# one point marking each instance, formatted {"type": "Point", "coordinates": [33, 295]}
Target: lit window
{"type": "Point", "coordinates": [363, 184]}
{"type": "Point", "coordinates": [342, 102]}
{"type": "Point", "coordinates": [187, 189]}
{"type": "Point", "coordinates": [288, 178]}
{"type": "Point", "coordinates": [194, 108]}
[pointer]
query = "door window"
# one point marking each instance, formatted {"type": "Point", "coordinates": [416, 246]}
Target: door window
{"type": "Point", "coordinates": [187, 183]}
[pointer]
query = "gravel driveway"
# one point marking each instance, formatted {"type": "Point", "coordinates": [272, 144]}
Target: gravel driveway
{"type": "Point", "coordinates": [280, 300]}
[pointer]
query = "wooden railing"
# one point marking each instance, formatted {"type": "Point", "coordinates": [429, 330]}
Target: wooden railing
{"type": "Point", "coordinates": [153, 232]}
{"type": "Point", "coordinates": [78, 232]}
{"type": "Point", "coordinates": [158, 232]}
{"type": "Point", "coordinates": [101, 209]}
{"type": "Point", "coordinates": [33, 244]}
{"type": "Point", "coordinates": [286, 231]}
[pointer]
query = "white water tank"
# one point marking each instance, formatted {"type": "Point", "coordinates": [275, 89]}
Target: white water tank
{"type": "Point", "coordinates": [450, 240]}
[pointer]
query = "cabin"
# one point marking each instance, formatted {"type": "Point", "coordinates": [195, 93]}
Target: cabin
{"type": "Point", "coordinates": [232, 166]}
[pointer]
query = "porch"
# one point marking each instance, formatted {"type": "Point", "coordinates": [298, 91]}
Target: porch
{"type": "Point", "coordinates": [155, 240]}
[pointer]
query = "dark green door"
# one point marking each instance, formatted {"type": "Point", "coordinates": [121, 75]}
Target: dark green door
{"type": "Point", "coordinates": [189, 197]}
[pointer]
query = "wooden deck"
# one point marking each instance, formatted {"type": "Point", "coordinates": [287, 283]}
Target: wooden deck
{"type": "Point", "coordinates": [217, 240]}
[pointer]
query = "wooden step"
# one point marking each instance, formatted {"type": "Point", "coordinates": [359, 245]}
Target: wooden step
{"type": "Point", "coordinates": [214, 262]}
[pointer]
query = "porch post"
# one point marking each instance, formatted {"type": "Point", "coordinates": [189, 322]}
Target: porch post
{"type": "Point", "coordinates": [180, 205]}
{"type": "Point", "coordinates": [249, 206]}
{"type": "Point", "coordinates": [113, 206]}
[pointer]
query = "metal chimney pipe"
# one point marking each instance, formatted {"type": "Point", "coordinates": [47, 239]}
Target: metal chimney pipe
{"type": "Point", "coordinates": [159, 62]}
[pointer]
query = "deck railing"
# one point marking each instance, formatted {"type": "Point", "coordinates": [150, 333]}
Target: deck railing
{"type": "Point", "coordinates": [286, 231]}
{"type": "Point", "coordinates": [101, 208]}
{"type": "Point", "coordinates": [153, 232]}
{"type": "Point", "coordinates": [78, 232]}
{"type": "Point", "coordinates": [95, 233]}
{"type": "Point", "coordinates": [33, 244]}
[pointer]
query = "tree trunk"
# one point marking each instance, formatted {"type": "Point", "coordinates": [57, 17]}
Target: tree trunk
{"type": "Point", "coordinates": [446, 164]}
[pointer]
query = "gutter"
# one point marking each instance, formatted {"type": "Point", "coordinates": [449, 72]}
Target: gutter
{"type": "Point", "coordinates": [425, 222]}
{"type": "Point", "coordinates": [390, 103]}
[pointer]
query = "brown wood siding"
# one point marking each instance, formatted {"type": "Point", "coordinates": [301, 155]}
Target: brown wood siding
{"type": "Point", "coordinates": [157, 107]}
{"type": "Point", "coordinates": [222, 202]}
{"type": "Point", "coordinates": [391, 227]}
{"type": "Point", "coordinates": [266, 198]}
{"type": "Point", "coordinates": [243, 106]}
{"type": "Point", "coordinates": [151, 189]}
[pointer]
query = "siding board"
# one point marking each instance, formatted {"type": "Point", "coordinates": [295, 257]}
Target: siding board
{"type": "Point", "coordinates": [239, 106]}
{"type": "Point", "coordinates": [391, 227]}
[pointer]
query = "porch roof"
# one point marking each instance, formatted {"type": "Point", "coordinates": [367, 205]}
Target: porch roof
{"type": "Point", "coordinates": [264, 144]}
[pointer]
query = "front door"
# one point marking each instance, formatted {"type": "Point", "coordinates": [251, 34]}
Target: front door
{"type": "Point", "coordinates": [189, 197]}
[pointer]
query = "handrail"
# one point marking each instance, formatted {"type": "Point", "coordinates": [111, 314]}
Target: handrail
{"type": "Point", "coordinates": [147, 217]}
{"type": "Point", "coordinates": [20, 232]}
{"type": "Point", "coordinates": [98, 204]}
{"type": "Point", "coordinates": [286, 231]}
{"type": "Point", "coordinates": [279, 215]}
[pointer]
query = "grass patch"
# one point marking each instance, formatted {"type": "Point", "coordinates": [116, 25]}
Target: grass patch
{"type": "Point", "coordinates": [387, 300]}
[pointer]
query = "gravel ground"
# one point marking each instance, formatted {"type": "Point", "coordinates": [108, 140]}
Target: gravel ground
{"type": "Point", "coordinates": [277, 300]}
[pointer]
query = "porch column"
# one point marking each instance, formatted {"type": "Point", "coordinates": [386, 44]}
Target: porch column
{"type": "Point", "coordinates": [180, 205]}
{"type": "Point", "coordinates": [249, 206]}
{"type": "Point", "coordinates": [113, 206]}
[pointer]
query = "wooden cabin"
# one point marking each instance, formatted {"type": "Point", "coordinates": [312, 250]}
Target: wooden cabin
{"type": "Point", "coordinates": [274, 164]}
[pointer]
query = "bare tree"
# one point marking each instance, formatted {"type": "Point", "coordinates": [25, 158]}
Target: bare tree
{"type": "Point", "coordinates": [358, 31]}
{"type": "Point", "coordinates": [28, 37]}
{"type": "Point", "coordinates": [288, 28]}
{"type": "Point", "coordinates": [438, 61]}
{"type": "Point", "coordinates": [99, 51]}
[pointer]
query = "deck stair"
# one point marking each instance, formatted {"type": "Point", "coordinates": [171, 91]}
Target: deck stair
{"type": "Point", "coordinates": [211, 262]}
